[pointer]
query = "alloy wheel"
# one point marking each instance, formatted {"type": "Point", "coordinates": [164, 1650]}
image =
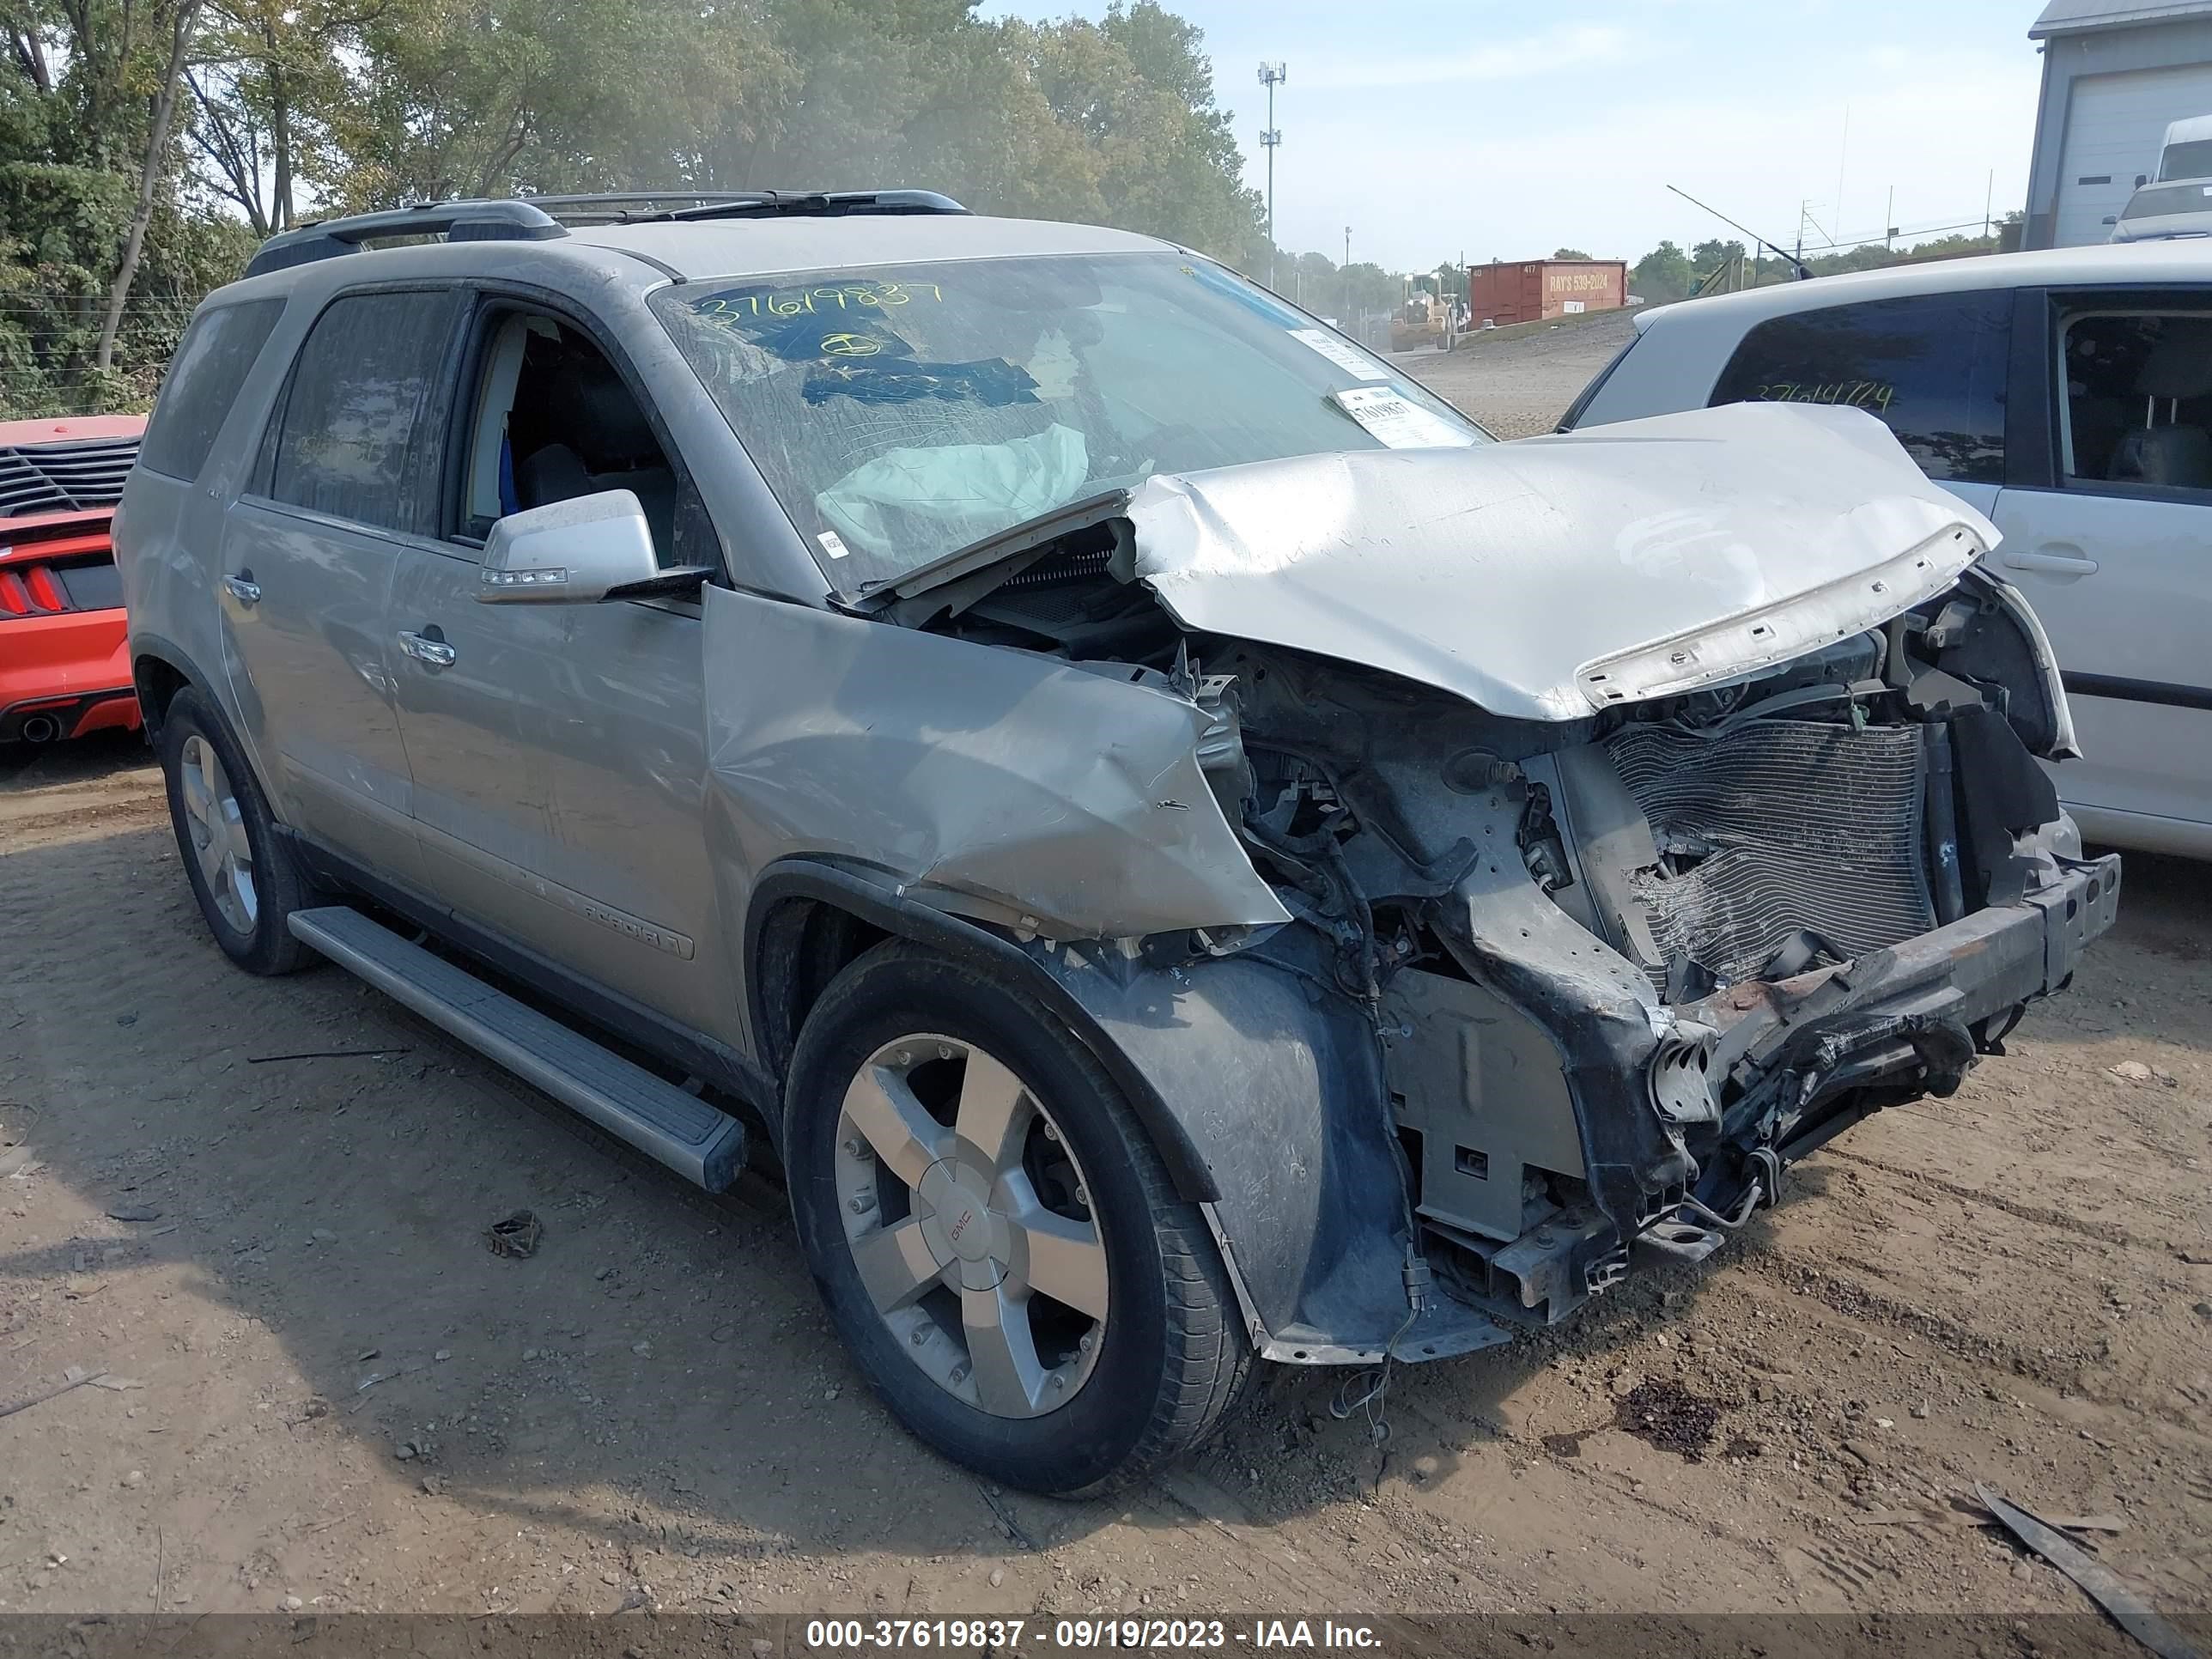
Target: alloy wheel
{"type": "Point", "coordinates": [218, 834]}
{"type": "Point", "coordinates": [969, 1221]}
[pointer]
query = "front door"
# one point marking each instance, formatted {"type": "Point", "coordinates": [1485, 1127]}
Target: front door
{"type": "Point", "coordinates": [558, 751]}
{"type": "Point", "coordinates": [2116, 556]}
{"type": "Point", "coordinates": [309, 553]}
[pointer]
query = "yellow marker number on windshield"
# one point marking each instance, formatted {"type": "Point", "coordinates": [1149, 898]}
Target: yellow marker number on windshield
{"type": "Point", "coordinates": [797, 301]}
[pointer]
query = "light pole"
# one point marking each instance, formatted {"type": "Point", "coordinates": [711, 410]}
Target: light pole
{"type": "Point", "coordinates": [1346, 269]}
{"type": "Point", "coordinates": [1271, 76]}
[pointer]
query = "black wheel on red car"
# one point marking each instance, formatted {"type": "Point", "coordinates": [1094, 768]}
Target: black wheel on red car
{"type": "Point", "coordinates": [995, 1236]}
{"type": "Point", "coordinates": [245, 877]}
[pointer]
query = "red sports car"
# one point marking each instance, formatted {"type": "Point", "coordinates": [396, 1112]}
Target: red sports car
{"type": "Point", "coordinates": [64, 667]}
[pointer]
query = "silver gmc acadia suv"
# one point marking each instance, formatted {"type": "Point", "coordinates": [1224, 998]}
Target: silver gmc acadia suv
{"type": "Point", "coordinates": [1180, 848]}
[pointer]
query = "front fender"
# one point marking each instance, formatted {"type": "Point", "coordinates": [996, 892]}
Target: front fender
{"type": "Point", "coordinates": [1001, 784]}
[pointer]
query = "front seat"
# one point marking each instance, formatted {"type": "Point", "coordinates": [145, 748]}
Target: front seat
{"type": "Point", "coordinates": [2178, 368]}
{"type": "Point", "coordinates": [608, 444]}
{"type": "Point", "coordinates": [554, 473]}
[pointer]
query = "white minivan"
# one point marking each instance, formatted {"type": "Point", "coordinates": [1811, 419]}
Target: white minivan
{"type": "Point", "coordinates": [2068, 394]}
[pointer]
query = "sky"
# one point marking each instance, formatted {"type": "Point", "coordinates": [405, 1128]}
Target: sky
{"type": "Point", "coordinates": [1504, 132]}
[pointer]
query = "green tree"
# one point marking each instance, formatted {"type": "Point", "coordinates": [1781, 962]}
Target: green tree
{"type": "Point", "coordinates": [1137, 90]}
{"type": "Point", "coordinates": [144, 144]}
{"type": "Point", "coordinates": [268, 82]}
{"type": "Point", "coordinates": [1568, 253]}
{"type": "Point", "coordinates": [1369, 289]}
{"type": "Point", "coordinates": [1709, 255]}
{"type": "Point", "coordinates": [99, 252]}
{"type": "Point", "coordinates": [498, 97]}
{"type": "Point", "coordinates": [1661, 275]}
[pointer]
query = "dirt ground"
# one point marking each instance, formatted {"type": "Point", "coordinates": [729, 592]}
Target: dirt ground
{"type": "Point", "coordinates": [1518, 381]}
{"type": "Point", "coordinates": [322, 1392]}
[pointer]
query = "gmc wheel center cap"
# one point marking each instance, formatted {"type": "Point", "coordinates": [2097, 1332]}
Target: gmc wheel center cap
{"type": "Point", "coordinates": [958, 1225]}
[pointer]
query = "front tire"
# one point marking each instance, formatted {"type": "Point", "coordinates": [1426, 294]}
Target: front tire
{"type": "Point", "coordinates": [243, 874]}
{"type": "Point", "coordinates": [994, 1235]}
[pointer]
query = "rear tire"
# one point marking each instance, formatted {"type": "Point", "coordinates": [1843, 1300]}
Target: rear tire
{"type": "Point", "coordinates": [242, 872]}
{"type": "Point", "coordinates": [931, 1106]}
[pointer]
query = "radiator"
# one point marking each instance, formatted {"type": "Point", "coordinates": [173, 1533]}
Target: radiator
{"type": "Point", "coordinates": [1776, 825]}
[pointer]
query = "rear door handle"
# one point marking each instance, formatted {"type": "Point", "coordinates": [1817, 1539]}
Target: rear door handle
{"type": "Point", "coordinates": [425, 649]}
{"type": "Point", "coordinates": [243, 588]}
{"type": "Point", "coordinates": [2068, 564]}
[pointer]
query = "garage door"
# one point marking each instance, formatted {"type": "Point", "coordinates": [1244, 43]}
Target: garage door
{"type": "Point", "coordinates": [2114, 126]}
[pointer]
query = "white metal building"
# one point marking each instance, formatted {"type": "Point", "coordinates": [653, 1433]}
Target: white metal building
{"type": "Point", "coordinates": [2115, 73]}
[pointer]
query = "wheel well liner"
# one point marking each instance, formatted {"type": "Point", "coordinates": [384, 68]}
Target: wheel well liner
{"type": "Point", "coordinates": [791, 951]}
{"type": "Point", "coordinates": [158, 670]}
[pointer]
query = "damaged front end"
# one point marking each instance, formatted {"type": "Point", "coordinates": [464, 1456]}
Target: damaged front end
{"type": "Point", "coordinates": [1618, 817]}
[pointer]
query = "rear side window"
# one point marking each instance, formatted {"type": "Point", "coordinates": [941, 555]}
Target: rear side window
{"type": "Point", "coordinates": [1931, 368]}
{"type": "Point", "coordinates": [1580, 407]}
{"type": "Point", "coordinates": [211, 363]}
{"type": "Point", "coordinates": [356, 439]}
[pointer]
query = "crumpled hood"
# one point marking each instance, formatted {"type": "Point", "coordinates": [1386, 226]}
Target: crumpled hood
{"type": "Point", "coordinates": [1552, 577]}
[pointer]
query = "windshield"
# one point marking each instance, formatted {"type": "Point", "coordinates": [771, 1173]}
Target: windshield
{"type": "Point", "coordinates": [902, 413]}
{"type": "Point", "coordinates": [2163, 201]}
{"type": "Point", "coordinates": [2189, 160]}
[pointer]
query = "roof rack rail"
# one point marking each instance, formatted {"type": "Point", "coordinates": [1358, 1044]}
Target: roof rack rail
{"type": "Point", "coordinates": [834, 203]}
{"type": "Point", "coordinates": [541, 218]}
{"type": "Point", "coordinates": [645, 206]}
{"type": "Point", "coordinates": [494, 219]}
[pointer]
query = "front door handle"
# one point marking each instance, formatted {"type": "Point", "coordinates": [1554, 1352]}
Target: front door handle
{"type": "Point", "coordinates": [428, 649]}
{"type": "Point", "coordinates": [243, 588]}
{"type": "Point", "coordinates": [2064, 564]}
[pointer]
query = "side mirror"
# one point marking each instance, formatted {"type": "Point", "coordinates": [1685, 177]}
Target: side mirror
{"type": "Point", "coordinates": [572, 552]}
{"type": "Point", "coordinates": [2141, 179]}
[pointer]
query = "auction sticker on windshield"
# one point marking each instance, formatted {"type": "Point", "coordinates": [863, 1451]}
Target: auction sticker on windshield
{"type": "Point", "coordinates": [1396, 421]}
{"type": "Point", "coordinates": [1340, 353]}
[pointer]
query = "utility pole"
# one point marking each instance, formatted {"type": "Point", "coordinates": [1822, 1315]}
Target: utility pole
{"type": "Point", "coordinates": [1889, 222]}
{"type": "Point", "coordinates": [1271, 76]}
{"type": "Point", "coordinates": [1843, 153]}
{"type": "Point", "coordinates": [1988, 195]}
{"type": "Point", "coordinates": [1346, 270]}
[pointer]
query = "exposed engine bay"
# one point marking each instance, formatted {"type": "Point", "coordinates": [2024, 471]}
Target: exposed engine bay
{"type": "Point", "coordinates": [1614, 968]}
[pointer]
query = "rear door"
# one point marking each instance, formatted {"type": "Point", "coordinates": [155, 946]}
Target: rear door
{"type": "Point", "coordinates": [345, 485]}
{"type": "Point", "coordinates": [2107, 522]}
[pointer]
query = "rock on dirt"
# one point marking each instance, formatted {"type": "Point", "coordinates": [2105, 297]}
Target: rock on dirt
{"type": "Point", "coordinates": [1670, 1417]}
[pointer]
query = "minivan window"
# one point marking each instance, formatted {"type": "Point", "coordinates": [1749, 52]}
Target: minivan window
{"type": "Point", "coordinates": [360, 398]}
{"type": "Point", "coordinates": [1931, 367]}
{"type": "Point", "coordinates": [2137, 407]}
{"type": "Point", "coordinates": [218, 352]}
{"type": "Point", "coordinates": [900, 415]}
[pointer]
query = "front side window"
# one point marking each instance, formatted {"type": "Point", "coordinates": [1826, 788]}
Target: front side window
{"type": "Point", "coordinates": [552, 420]}
{"type": "Point", "coordinates": [1931, 368]}
{"type": "Point", "coordinates": [901, 414]}
{"type": "Point", "coordinates": [359, 400]}
{"type": "Point", "coordinates": [2136, 387]}
{"type": "Point", "coordinates": [203, 382]}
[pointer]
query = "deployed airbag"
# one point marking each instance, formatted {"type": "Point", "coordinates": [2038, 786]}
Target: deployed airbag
{"type": "Point", "coordinates": [963, 491]}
